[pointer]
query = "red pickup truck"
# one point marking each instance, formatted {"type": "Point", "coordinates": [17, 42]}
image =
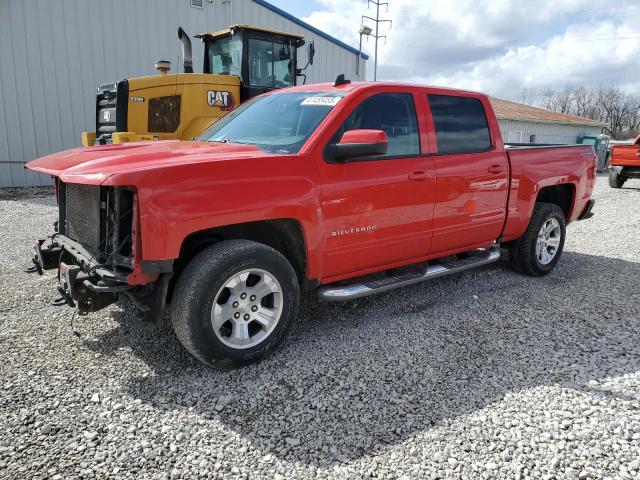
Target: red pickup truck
{"type": "Point", "coordinates": [624, 163]}
{"type": "Point", "coordinates": [348, 188]}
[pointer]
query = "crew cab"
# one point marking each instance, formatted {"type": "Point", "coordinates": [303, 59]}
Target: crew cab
{"type": "Point", "coordinates": [348, 189]}
{"type": "Point", "coordinates": [624, 163]}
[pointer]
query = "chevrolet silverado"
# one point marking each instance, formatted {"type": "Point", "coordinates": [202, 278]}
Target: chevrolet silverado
{"type": "Point", "coordinates": [348, 189]}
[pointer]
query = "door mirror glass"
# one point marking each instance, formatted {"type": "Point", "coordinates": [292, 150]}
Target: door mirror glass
{"type": "Point", "coordinates": [311, 51]}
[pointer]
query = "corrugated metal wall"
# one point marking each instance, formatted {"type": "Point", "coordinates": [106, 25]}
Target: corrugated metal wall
{"type": "Point", "coordinates": [54, 53]}
{"type": "Point", "coordinates": [520, 132]}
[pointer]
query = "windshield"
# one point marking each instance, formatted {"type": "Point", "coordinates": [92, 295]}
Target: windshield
{"type": "Point", "coordinates": [277, 123]}
{"type": "Point", "coordinates": [225, 55]}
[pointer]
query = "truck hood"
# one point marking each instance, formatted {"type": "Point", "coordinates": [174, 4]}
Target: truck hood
{"type": "Point", "coordinates": [93, 165]}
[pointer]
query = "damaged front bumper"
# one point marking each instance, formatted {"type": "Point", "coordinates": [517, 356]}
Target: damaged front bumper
{"type": "Point", "coordinates": [90, 286]}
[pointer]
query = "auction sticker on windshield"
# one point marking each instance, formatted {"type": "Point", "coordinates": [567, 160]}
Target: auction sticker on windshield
{"type": "Point", "coordinates": [326, 101]}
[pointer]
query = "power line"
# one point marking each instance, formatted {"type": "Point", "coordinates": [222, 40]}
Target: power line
{"type": "Point", "coordinates": [377, 21]}
{"type": "Point", "coordinates": [576, 38]}
{"type": "Point", "coordinates": [610, 7]}
{"type": "Point", "coordinates": [565, 66]}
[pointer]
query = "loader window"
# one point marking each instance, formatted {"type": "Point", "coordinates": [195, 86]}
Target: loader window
{"type": "Point", "coordinates": [225, 55]}
{"type": "Point", "coordinates": [277, 123]}
{"type": "Point", "coordinates": [270, 64]}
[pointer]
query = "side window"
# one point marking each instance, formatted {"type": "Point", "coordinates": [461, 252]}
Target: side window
{"type": "Point", "coordinates": [461, 124]}
{"type": "Point", "coordinates": [224, 55]}
{"type": "Point", "coordinates": [270, 64]}
{"type": "Point", "coordinates": [395, 114]}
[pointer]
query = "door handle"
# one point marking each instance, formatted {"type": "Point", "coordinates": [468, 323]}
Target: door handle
{"type": "Point", "coordinates": [418, 176]}
{"type": "Point", "coordinates": [495, 169]}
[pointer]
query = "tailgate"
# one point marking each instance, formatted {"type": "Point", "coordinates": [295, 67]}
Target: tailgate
{"type": "Point", "coordinates": [625, 155]}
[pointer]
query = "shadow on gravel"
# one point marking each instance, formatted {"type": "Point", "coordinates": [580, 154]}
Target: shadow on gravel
{"type": "Point", "coordinates": [355, 377]}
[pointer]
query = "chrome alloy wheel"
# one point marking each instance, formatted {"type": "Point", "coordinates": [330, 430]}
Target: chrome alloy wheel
{"type": "Point", "coordinates": [548, 241]}
{"type": "Point", "coordinates": [247, 308]}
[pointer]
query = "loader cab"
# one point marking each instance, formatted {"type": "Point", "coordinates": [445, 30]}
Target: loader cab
{"type": "Point", "coordinates": [263, 59]}
{"type": "Point", "coordinates": [240, 62]}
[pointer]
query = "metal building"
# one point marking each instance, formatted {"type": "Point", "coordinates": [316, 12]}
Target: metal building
{"type": "Point", "coordinates": [525, 124]}
{"type": "Point", "coordinates": [53, 54]}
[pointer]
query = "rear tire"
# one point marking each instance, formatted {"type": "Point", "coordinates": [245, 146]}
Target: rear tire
{"type": "Point", "coordinates": [537, 252]}
{"type": "Point", "coordinates": [615, 179]}
{"type": "Point", "coordinates": [235, 300]}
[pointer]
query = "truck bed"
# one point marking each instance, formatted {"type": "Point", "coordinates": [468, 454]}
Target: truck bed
{"type": "Point", "coordinates": [539, 166]}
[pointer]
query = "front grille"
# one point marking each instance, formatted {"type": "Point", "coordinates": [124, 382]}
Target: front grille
{"type": "Point", "coordinates": [106, 114]}
{"type": "Point", "coordinates": [111, 110]}
{"type": "Point", "coordinates": [100, 219]}
{"type": "Point", "coordinates": [82, 215]}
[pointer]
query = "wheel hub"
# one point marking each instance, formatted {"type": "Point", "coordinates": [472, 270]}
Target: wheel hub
{"type": "Point", "coordinates": [247, 308]}
{"type": "Point", "coordinates": [548, 241]}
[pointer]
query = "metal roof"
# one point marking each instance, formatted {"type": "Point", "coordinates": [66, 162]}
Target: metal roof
{"type": "Point", "coordinates": [304, 24]}
{"type": "Point", "coordinates": [242, 26]}
{"type": "Point", "coordinates": [508, 110]}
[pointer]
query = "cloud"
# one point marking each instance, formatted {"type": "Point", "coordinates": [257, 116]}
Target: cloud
{"type": "Point", "coordinates": [497, 46]}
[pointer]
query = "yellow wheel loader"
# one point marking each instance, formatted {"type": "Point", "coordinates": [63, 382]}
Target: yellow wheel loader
{"type": "Point", "coordinates": [240, 62]}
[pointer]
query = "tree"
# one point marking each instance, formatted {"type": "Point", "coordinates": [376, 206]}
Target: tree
{"type": "Point", "coordinates": [529, 96]}
{"type": "Point", "coordinates": [608, 104]}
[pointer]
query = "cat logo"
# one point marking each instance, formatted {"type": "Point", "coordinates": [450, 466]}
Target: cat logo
{"type": "Point", "coordinates": [222, 99]}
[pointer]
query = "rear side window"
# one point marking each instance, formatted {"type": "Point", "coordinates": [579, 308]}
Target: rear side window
{"type": "Point", "coordinates": [395, 114]}
{"type": "Point", "coordinates": [461, 124]}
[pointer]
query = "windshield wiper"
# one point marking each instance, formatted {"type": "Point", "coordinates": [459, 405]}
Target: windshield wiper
{"type": "Point", "coordinates": [231, 140]}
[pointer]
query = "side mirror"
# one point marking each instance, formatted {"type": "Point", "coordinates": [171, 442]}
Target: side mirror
{"type": "Point", "coordinates": [360, 143]}
{"type": "Point", "coordinates": [311, 51]}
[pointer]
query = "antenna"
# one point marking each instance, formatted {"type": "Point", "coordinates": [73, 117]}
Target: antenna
{"type": "Point", "coordinates": [340, 80]}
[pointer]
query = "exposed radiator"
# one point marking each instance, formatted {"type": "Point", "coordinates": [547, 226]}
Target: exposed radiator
{"type": "Point", "coordinates": [82, 214]}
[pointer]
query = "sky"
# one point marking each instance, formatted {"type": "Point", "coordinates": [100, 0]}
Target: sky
{"type": "Point", "coordinates": [499, 47]}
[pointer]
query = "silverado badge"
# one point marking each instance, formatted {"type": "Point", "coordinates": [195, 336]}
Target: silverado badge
{"type": "Point", "coordinates": [352, 230]}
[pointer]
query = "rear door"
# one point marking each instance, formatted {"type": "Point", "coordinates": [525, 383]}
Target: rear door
{"type": "Point", "coordinates": [472, 174]}
{"type": "Point", "coordinates": [378, 211]}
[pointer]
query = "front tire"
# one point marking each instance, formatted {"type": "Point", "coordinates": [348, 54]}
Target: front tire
{"type": "Point", "coordinates": [235, 300]}
{"type": "Point", "coordinates": [615, 179]}
{"type": "Point", "coordinates": [537, 252]}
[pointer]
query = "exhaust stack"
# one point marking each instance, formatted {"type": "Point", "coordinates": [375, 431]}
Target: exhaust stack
{"type": "Point", "coordinates": [186, 50]}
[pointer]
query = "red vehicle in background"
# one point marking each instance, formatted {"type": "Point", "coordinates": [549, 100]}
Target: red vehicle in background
{"type": "Point", "coordinates": [624, 163]}
{"type": "Point", "coordinates": [348, 189]}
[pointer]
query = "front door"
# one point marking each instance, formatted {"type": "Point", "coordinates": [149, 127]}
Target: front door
{"type": "Point", "coordinates": [379, 210]}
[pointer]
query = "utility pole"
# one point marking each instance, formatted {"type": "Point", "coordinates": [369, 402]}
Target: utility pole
{"type": "Point", "coordinates": [377, 21]}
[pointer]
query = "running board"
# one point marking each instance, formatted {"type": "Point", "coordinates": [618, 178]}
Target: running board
{"type": "Point", "coordinates": [357, 290]}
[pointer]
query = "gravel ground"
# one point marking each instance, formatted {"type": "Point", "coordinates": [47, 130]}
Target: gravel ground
{"type": "Point", "coordinates": [488, 374]}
